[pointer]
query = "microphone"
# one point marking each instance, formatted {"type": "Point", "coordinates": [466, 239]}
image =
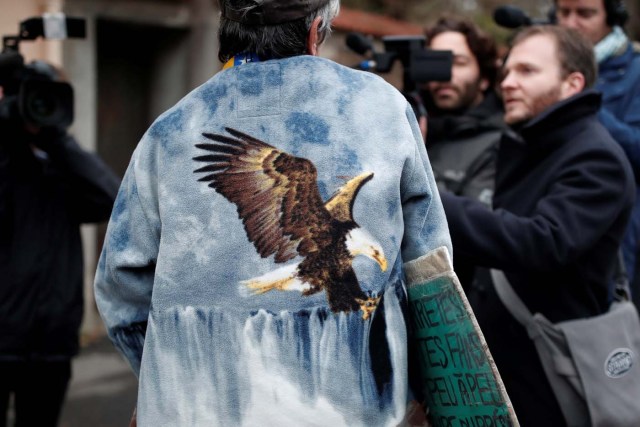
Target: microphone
{"type": "Point", "coordinates": [513, 17]}
{"type": "Point", "coordinates": [359, 43]}
{"type": "Point", "coordinates": [368, 65]}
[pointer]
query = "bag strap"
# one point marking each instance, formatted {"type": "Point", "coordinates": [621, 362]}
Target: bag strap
{"type": "Point", "coordinates": [560, 362]}
{"type": "Point", "coordinates": [516, 307]}
{"type": "Point", "coordinates": [554, 363]}
{"type": "Point", "coordinates": [510, 299]}
{"type": "Point", "coordinates": [622, 290]}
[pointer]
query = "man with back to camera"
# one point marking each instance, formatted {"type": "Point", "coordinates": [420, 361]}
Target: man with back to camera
{"type": "Point", "coordinates": [618, 59]}
{"type": "Point", "coordinates": [48, 187]}
{"type": "Point", "coordinates": [564, 192]}
{"type": "Point", "coordinates": [465, 114]}
{"type": "Point", "coordinates": [256, 246]}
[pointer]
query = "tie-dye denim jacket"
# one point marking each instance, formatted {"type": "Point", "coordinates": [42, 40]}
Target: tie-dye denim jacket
{"type": "Point", "coordinates": [252, 267]}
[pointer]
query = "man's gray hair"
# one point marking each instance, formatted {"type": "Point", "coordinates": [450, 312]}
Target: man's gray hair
{"type": "Point", "coordinates": [328, 13]}
{"type": "Point", "coordinates": [271, 41]}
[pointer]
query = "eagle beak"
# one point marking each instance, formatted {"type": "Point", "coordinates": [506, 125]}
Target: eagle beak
{"type": "Point", "coordinates": [381, 260]}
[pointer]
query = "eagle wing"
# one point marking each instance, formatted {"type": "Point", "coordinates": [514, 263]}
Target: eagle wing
{"type": "Point", "coordinates": [276, 194]}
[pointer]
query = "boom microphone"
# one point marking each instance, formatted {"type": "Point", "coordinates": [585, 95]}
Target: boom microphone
{"type": "Point", "coordinates": [513, 17]}
{"type": "Point", "coordinates": [359, 43]}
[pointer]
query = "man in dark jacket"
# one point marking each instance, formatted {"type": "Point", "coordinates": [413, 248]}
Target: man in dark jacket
{"type": "Point", "coordinates": [465, 115]}
{"type": "Point", "coordinates": [618, 58]}
{"type": "Point", "coordinates": [48, 187]}
{"type": "Point", "coordinates": [564, 193]}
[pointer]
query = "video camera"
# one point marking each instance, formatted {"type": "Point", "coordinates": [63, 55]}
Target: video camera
{"type": "Point", "coordinates": [30, 93]}
{"type": "Point", "coordinates": [420, 64]}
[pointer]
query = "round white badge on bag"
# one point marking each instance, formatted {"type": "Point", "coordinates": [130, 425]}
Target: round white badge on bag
{"type": "Point", "coordinates": [618, 363]}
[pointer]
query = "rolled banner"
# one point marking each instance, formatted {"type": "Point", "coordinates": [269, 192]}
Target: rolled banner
{"type": "Point", "coordinates": [458, 377]}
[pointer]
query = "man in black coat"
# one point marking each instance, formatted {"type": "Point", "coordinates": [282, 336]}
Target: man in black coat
{"type": "Point", "coordinates": [48, 187]}
{"type": "Point", "coordinates": [563, 196]}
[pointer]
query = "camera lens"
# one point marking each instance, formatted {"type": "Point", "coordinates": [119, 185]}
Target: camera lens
{"type": "Point", "coordinates": [45, 103]}
{"type": "Point", "coordinates": [42, 105]}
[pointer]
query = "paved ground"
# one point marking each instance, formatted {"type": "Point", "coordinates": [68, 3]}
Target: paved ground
{"type": "Point", "coordinates": [103, 390]}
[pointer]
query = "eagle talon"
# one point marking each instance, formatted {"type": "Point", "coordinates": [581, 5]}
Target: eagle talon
{"type": "Point", "coordinates": [311, 291]}
{"type": "Point", "coordinates": [368, 306]}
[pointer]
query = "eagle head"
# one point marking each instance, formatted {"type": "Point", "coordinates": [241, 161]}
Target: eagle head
{"type": "Point", "coordinates": [360, 242]}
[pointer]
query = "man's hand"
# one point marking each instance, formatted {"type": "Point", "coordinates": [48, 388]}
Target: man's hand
{"type": "Point", "coordinates": [133, 422]}
{"type": "Point", "coordinates": [422, 122]}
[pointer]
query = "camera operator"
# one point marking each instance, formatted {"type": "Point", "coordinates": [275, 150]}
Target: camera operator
{"type": "Point", "coordinates": [601, 21]}
{"type": "Point", "coordinates": [48, 187]}
{"type": "Point", "coordinates": [465, 114]}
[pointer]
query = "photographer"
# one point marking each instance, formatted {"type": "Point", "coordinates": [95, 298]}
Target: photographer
{"type": "Point", "coordinates": [48, 187]}
{"type": "Point", "coordinates": [465, 114]}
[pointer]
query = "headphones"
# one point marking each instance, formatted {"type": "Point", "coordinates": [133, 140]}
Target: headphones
{"type": "Point", "coordinates": [616, 11]}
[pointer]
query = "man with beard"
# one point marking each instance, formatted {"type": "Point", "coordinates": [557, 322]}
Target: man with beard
{"type": "Point", "coordinates": [465, 115]}
{"type": "Point", "coordinates": [563, 195]}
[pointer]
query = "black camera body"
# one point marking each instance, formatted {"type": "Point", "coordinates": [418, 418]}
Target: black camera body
{"type": "Point", "coordinates": [31, 96]}
{"type": "Point", "coordinates": [421, 65]}
{"type": "Point", "coordinates": [30, 93]}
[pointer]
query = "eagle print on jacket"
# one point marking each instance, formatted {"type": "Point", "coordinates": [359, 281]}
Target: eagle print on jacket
{"type": "Point", "coordinates": [173, 281]}
{"type": "Point", "coordinates": [283, 214]}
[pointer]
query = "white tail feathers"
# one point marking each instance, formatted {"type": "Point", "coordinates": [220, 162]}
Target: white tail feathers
{"type": "Point", "coordinates": [283, 279]}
